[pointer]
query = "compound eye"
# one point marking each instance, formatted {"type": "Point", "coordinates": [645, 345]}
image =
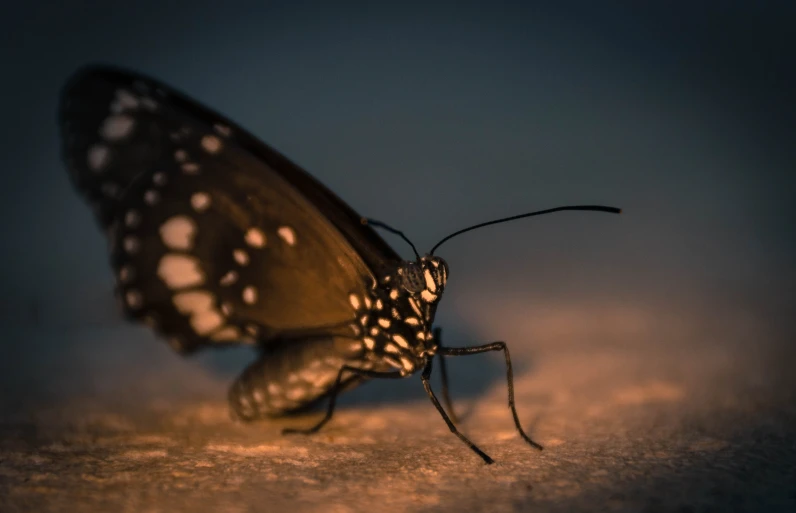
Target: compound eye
{"type": "Point", "coordinates": [413, 279]}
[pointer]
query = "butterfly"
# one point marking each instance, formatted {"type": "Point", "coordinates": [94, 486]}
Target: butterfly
{"type": "Point", "coordinates": [217, 239]}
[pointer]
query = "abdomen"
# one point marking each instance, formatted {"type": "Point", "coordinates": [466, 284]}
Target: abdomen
{"type": "Point", "coordinates": [291, 375]}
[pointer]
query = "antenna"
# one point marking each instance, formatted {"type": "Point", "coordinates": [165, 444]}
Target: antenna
{"type": "Point", "coordinates": [595, 208]}
{"type": "Point", "coordinates": [379, 224]}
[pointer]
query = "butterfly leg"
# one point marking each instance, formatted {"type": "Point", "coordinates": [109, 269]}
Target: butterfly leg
{"type": "Point", "coordinates": [443, 369]}
{"type": "Point", "coordinates": [427, 385]}
{"type": "Point", "coordinates": [495, 346]}
{"type": "Point", "coordinates": [339, 384]}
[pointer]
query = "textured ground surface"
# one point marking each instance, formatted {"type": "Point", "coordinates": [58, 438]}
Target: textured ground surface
{"type": "Point", "coordinates": [637, 412]}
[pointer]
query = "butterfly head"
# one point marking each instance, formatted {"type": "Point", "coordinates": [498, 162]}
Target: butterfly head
{"type": "Point", "coordinates": [425, 278]}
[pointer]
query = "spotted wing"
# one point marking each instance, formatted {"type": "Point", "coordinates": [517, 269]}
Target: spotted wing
{"type": "Point", "coordinates": [216, 237]}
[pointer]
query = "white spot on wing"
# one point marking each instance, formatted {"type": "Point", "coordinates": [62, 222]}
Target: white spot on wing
{"type": "Point", "coordinates": [199, 306]}
{"type": "Point", "coordinates": [211, 144]}
{"type": "Point", "coordinates": [130, 244]}
{"type": "Point", "coordinates": [98, 157]}
{"type": "Point", "coordinates": [369, 343]}
{"type": "Point", "coordinates": [133, 299]}
{"type": "Point", "coordinates": [200, 201]}
{"type": "Point", "coordinates": [249, 295]}
{"type": "Point", "coordinates": [240, 256]}
{"type": "Point", "coordinates": [287, 234]}
{"type": "Point", "coordinates": [206, 322]}
{"type": "Point", "coordinates": [190, 168]}
{"type": "Point", "coordinates": [180, 155]}
{"type": "Point", "coordinates": [178, 232]}
{"type": "Point", "coordinates": [189, 303]}
{"type": "Point", "coordinates": [255, 238]}
{"type": "Point", "coordinates": [151, 197]}
{"type": "Point", "coordinates": [125, 274]}
{"type": "Point", "coordinates": [179, 271]}
{"type": "Point", "coordinates": [159, 178]}
{"type": "Point", "coordinates": [354, 300]}
{"type": "Point", "coordinates": [117, 127]}
{"type": "Point", "coordinates": [228, 279]}
{"type": "Point", "coordinates": [385, 323]}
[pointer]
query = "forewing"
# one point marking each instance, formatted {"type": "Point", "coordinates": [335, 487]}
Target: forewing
{"type": "Point", "coordinates": [215, 237]}
{"type": "Point", "coordinates": [100, 103]}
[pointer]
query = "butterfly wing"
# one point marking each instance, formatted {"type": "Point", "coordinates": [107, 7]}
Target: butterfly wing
{"type": "Point", "coordinates": [215, 237]}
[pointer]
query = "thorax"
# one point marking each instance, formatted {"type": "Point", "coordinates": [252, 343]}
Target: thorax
{"type": "Point", "coordinates": [395, 324]}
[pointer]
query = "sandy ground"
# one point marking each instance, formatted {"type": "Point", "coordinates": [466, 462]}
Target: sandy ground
{"type": "Point", "coordinates": [638, 411]}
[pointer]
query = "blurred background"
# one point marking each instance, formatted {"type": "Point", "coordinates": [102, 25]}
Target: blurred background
{"type": "Point", "coordinates": [432, 118]}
